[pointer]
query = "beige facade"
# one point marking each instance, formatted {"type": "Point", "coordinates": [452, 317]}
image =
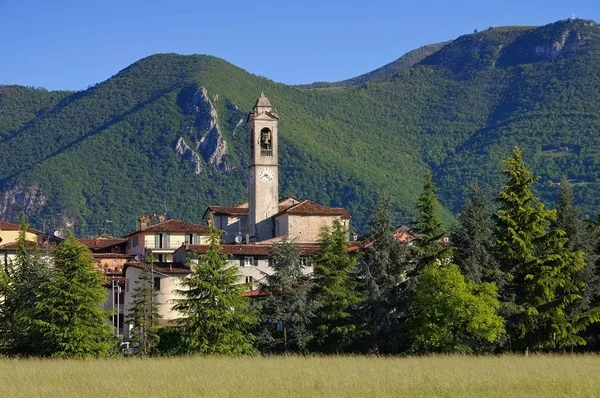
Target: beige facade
{"type": "Point", "coordinates": [263, 169]}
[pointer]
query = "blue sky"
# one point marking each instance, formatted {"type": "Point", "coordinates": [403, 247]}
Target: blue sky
{"type": "Point", "coordinates": [64, 44]}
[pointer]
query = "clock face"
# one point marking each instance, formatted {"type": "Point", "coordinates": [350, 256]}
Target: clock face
{"type": "Point", "coordinates": [266, 175]}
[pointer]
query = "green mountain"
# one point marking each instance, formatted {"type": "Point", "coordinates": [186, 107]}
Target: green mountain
{"type": "Point", "coordinates": [167, 134]}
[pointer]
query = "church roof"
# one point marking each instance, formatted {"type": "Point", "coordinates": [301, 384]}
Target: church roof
{"type": "Point", "coordinates": [262, 100]}
{"type": "Point", "coordinates": [310, 208]}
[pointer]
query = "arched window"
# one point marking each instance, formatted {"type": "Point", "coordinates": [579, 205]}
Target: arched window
{"type": "Point", "coordinates": [266, 142]}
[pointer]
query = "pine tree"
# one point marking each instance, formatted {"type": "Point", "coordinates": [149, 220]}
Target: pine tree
{"type": "Point", "coordinates": [448, 312]}
{"type": "Point", "coordinates": [581, 235]}
{"type": "Point", "coordinates": [335, 292]}
{"type": "Point", "coordinates": [287, 310]}
{"type": "Point", "coordinates": [429, 229]}
{"type": "Point", "coordinates": [473, 240]}
{"type": "Point", "coordinates": [143, 314]}
{"type": "Point", "coordinates": [381, 267]}
{"type": "Point", "coordinates": [540, 269]}
{"type": "Point", "coordinates": [216, 318]}
{"type": "Point", "coordinates": [20, 287]}
{"type": "Point", "coordinates": [68, 313]}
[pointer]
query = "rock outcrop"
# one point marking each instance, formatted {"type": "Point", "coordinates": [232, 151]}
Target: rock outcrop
{"type": "Point", "coordinates": [210, 141]}
{"type": "Point", "coordinates": [29, 200]}
{"type": "Point", "coordinates": [182, 148]}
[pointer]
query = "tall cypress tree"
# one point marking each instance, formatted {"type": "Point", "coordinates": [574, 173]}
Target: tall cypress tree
{"type": "Point", "coordinates": [143, 314]}
{"type": "Point", "coordinates": [216, 317]}
{"type": "Point", "coordinates": [381, 267]}
{"type": "Point", "coordinates": [287, 310]}
{"type": "Point", "coordinates": [542, 272]}
{"type": "Point", "coordinates": [335, 292]}
{"type": "Point", "coordinates": [68, 312]}
{"type": "Point", "coordinates": [473, 240]}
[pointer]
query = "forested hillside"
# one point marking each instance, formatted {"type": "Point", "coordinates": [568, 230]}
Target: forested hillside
{"type": "Point", "coordinates": [168, 134]}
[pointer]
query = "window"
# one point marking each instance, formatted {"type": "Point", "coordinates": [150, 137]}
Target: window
{"type": "Point", "coordinates": [161, 257]}
{"type": "Point", "coordinates": [303, 261]}
{"type": "Point", "coordinates": [161, 241]}
{"type": "Point", "coordinates": [250, 282]}
{"type": "Point", "coordinates": [156, 283]}
{"type": "Point", "coordinates": [249, 262]}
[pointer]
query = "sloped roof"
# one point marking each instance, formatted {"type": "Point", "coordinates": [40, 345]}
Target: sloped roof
{"type": "Point", "coordinates": [229, 211]}
{"type": "Point", "coordinates": [9, 226]}
{"type": "Point", "coordinates": [310, 208]}
{"type": "Point", "coordinates": [254, 249]}
{"type": "Point", "coordinates": [102, 243]}
{"type": "Point", "coordinates": [163, 268]}
{"type": "Point", "coordinates": [175, 225]}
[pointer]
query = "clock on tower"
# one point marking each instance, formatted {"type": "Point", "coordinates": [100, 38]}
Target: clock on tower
{"type": "Point", "coordinates": [263, 184]}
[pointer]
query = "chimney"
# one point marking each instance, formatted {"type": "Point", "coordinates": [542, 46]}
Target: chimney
{"type": "Point", "coordinates": [247, 238]}
{"type": "Point", "coordinates": [209, 222]}
{"type": "Point", "coordinates": [143, 222]}
{"type": "Point", "coordinates": [161, 218]}
{"type": "Point", "coordinates": [355, 236]}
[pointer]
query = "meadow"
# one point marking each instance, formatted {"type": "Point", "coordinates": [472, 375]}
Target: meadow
{"type": "Point", "coordinates": [439, 376]}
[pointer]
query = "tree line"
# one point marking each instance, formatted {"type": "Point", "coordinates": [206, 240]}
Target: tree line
{"type": "Point", "coordinates": [512, 277]}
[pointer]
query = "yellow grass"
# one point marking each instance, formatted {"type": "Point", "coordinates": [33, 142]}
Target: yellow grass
{"type": "Point", "coordinates": [453, 376]}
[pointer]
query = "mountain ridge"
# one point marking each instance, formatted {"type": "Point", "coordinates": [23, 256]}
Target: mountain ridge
{"type": "Point", "coordinates": [111, 152]}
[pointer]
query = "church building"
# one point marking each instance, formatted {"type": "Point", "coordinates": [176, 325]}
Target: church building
{"type": "Point", "coordinates": [265, 217]}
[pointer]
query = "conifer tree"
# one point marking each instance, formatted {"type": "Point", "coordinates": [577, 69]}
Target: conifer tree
{"type": "Point", "coordinates": [542, 272]}
{"type": "Point", "coordinates": [287, 310]}
{"type": "Point", "coordinates": [335, 292]}
{"type": "Point", "coordinates": [582, 236]}
{"type": "Point", "coordinates": [448, 312]}
{"type": "Point", "coordinates": [429, 228]}
{"type": "Point", "coordinates": [216, 317]}
{"type": "Point", "coordinates": [473, 240]}
{"type": "Point", "coordinates": [143, 314]}
{"type": "Point", "coordinates": [20, 288]}
{"type": "Point", "coordinates": [382, 266]}
{"type": "Point", "coordinates": [68, 313]}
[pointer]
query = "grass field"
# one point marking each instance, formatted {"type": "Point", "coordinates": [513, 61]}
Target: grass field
{"type": "Point", "coordinates": [452, 376]}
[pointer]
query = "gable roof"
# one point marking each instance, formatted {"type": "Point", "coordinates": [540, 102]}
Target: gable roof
{"type": "Point", "coordinates": [9, 226]}
{"type": "Point", "coordinates": [175, 225]}
{"type": "Point", "coordinates": [310, 208]}
{"type": "Point", "coordinates": [228, 211]}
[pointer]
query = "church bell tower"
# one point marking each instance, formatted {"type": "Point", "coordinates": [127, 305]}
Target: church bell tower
{"type": "Point", "coordinates": [263, 167]}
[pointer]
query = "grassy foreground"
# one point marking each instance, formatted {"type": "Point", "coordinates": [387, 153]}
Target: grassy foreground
{"type": "Point", "coordinates": [451, 376]}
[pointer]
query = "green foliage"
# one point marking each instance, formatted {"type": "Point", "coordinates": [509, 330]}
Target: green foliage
{"type": "Point", "coordinates": [216, 318]}
{"type": "Point", "coordinates": [335, 292]}
{"type": "Point", "coordinates": [456, 112]}
{"type": "Point", "coordinates": [287, 310]}
{"type": "Point", "coordinates": [449, 313]}
{"type": "Point", "coordinates": [473, 240]}
{"type": "Point", "coordinates": [542, 272]}
{"type": "Point", "coordinates": [381, 268]}
{"type": "Point", "coordinates": [68, 313]}
{"type": "Point", "coordinates": [143, 314]}
{"type": "Point", "coordinates": [21, 282]}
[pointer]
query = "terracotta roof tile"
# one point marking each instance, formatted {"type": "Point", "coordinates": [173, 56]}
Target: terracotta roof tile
{"type": "Point", "coordinates": [229, 211]}
{"type": "Point", "coordinates": [175, 225]}
{"type": "Point", "coordinates": [163, 268]}
{"type": "Point", "coordinates": [102, 243]}
{"type": "Point", "coordinates": [310, 208]}
{"type": "Point", "coordinates": [9, 226]}
{"type": "Point", "coordinates": [254, 249]}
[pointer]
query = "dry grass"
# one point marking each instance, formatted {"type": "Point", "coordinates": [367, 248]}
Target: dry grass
{"type": "Point", "coordinates": [452, 376]}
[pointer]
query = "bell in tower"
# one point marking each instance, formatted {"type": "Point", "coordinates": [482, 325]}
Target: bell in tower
{"type": "Point", "coordinates": [263, 168]}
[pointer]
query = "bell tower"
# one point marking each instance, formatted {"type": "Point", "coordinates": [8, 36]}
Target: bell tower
{"type": "Point", "coordinates": [263, 167]}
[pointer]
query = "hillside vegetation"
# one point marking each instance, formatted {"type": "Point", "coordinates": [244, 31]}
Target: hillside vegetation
{"type": "Point", "coordinates": [109, 152]}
